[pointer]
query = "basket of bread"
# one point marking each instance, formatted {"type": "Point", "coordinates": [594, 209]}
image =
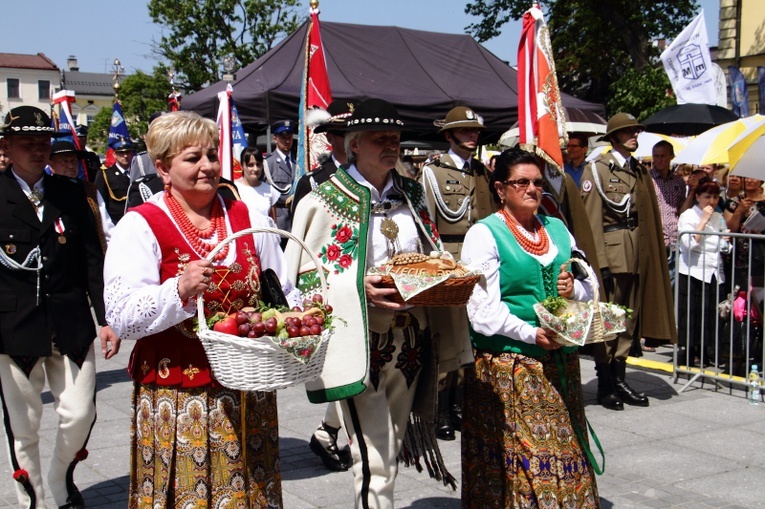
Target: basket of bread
{"type": "Point", "coordinates": [430, 280]}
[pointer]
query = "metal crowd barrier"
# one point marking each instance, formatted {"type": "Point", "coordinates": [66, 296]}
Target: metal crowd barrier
{"type": "Point", "coordinates": [735, 340]}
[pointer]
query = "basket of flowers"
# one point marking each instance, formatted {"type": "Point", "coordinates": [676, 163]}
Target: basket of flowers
{"type": "Point", "coordinates": [578, 323]}
{"type": "Point", "coordinates": [433, 280]}
{"type": "Point", "coordinates": [267, 348]}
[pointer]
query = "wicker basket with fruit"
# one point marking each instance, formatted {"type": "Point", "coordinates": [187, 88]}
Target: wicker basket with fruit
{"type": "Point", "coordinates": [264, 349]}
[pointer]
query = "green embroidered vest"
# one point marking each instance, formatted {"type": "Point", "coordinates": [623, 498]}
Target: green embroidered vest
{"type": "Point", "coordinates": [523, 282]}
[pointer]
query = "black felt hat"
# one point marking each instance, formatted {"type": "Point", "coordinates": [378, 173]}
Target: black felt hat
{"type": "Point", "coordinates": [64, 147]}
{"type": "Point", "coordinates": [29, 120]}
{"type": "Point", "coordinates": [339, 111]}
{"type": "Point", "coordinates": [375, 115]}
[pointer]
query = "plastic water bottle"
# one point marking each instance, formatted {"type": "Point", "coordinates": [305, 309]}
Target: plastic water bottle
{"type": "Point", "coordinates": [753, 383]}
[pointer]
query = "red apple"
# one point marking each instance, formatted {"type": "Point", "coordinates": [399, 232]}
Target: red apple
{"type": "Point", "coordinates": [315, 330]}
{"type": "Point", "coordinates": [228, 326]}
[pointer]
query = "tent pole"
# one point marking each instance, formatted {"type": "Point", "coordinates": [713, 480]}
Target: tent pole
{"type": "Point", "coordinates": [268, 122]}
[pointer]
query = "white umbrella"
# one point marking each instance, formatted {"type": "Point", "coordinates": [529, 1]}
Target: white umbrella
{"type": "Point", "coordinates": [647, 140]}
{"type": "Point", "coordinates": [711, 147]}
{"type": "Point", "coordinates": [747, 152]}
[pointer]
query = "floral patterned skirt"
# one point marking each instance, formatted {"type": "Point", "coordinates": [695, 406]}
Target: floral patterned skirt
{"type": "Point", "coordinates": [186, 449]}
{"type": "Point", "coordinates": [519, 448]}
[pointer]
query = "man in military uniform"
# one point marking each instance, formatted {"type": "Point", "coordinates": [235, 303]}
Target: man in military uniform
{"type": "Point", "coordinates": [457, 184]}
{"type": "Point", "coordinates": [457, 194]}
{"type": "Point", "coordinates": [51, 268]}
{"type": "Point", "coordinates": [113, 182]}
{"type": "Point", "coordinates": [621, 204]}
{"type": "Point", "coordinates": [279, 170]}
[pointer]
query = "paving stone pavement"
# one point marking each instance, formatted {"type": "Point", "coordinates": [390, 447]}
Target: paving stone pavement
{"type": "Point", "coordinates": [702, 448]}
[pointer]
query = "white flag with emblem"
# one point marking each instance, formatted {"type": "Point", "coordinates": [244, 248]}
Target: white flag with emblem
{"type": "Point", "coordinates": [689, 65]}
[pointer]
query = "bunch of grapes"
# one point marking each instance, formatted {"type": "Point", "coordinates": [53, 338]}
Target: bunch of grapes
{"type": "Point", "coordinates": [309, 320]}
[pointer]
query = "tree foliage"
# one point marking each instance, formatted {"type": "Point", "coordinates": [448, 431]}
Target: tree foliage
{"type": "Point", "coordinates": [641, 92]}
{"type": "Point", "coordinates": [201, 33]}
{"type": "Point", "coordinates": [595, 42]}
{"type": "Point", "coordinates": [141, 95]}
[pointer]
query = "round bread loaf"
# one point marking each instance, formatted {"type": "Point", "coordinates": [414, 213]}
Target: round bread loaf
{"type": "Point", "coordinates": [418, 264]}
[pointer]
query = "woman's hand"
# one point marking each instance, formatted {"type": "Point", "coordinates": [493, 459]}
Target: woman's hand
{"type": "Point", "coordinates": [378, 296]}
{"type": "Point", "coordinates": [707, 213]}
{"type": "Point", "coordinates": [195, 279]}
{"type": "Point", "coordinates": [546, 339]}
{"type": "Point", "coordinates": [565, 283]}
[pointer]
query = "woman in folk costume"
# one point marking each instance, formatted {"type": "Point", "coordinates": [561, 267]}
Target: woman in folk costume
{"type": "Point", "coordinates": [194, 443]}
{"type": "Point", "coordinates": [382, 365]}
{"type": "Point", "coordinates": [523, 431]}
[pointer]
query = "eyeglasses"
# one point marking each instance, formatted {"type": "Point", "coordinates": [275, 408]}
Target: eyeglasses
{"type": "Point", "coordinates": [524, 183]}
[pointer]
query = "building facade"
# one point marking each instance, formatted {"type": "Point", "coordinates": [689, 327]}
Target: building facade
{"type": "Point", "coordinates": [742, 43]}
{"type": "Point", "coordinates": [27, 80]}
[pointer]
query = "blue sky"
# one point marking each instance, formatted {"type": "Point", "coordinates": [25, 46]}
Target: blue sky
{"type": "Point", "coordinates": [102, 30]}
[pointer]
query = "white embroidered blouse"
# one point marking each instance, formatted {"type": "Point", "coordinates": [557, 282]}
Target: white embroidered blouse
{"type": "Point", "coordinates": [487, 314]}
{"type": "Point", "coordinates": [137, 304]}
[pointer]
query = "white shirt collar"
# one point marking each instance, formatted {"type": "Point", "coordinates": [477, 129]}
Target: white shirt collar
{"type": "Point", "coordinates": [619, 158]}
{"type": "Point", "coordinates": [458, 161]}
{"type": "Point", "coordinates": [25, 187]}
{"type": "Point", "coordinates": [376, 195]}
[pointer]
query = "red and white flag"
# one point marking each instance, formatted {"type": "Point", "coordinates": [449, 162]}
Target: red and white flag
{"type": "Point", "coordinates": [541, 119]}
{"type": "Point", "coordinates": [315, 97]}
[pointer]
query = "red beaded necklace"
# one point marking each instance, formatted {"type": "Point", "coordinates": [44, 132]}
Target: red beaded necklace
{"type": "Point", "coordinates": [194, 235]}
{"type": "Point", "coordinates": [536, 247]}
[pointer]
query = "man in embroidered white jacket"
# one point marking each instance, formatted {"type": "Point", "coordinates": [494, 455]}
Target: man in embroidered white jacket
{"type": "Point", "coordinates": [382, 363]}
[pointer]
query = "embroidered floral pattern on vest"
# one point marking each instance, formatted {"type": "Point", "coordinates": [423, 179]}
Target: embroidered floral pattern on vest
{"type": "Point", "coordinates": [343, 249]}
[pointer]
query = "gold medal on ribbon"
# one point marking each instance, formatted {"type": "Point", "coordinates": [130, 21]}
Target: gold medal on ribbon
{"type": "Point", "coordinates": [389, 229]}
{"type": "Point", "coordinates": [61, 239]}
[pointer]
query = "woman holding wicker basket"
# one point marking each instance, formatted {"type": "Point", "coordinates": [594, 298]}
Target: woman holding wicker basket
{"type": "Point", "coordinates": [194, 442]}
{"type": "Point", "coordinates": [523, 433]}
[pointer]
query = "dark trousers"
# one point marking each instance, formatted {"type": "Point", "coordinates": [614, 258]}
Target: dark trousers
{"type": "Point", "coordinates": [697, 316]}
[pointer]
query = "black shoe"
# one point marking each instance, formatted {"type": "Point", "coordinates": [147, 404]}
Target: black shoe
{"type": "Point", "coordinates": [333, 459]}
{"type": "Point", "coordinates": [610, 401]}
{"type": "Point", "coordinates": [444, 428]}
{"type": "Point", "coordinates": [628, 395]}
{"type": "Point", "coordinates": [74, 501]}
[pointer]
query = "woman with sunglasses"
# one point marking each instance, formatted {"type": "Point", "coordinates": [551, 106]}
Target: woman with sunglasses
{"type": "Point", "coordinates": [523, 431]}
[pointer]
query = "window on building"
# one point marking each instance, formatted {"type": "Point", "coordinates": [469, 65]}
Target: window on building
{"type": "Point", "coordinates": [43, 89]}
{"type": "Point", "coordinates": [13, 88]}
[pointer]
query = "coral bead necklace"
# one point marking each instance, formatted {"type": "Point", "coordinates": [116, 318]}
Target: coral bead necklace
{"type": "Point", "coordinates": [200, 240]}
{"type": "Point", "coordinates": [536, 247]}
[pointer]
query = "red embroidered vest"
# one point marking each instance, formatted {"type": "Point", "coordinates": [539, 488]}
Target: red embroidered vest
{"type": "Point", "coordinates": [175, 356]}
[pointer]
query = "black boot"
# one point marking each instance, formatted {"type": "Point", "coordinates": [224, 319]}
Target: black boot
{"type": "Point", "coordinates": [444, 427]}
{"type": "Point", "coordinates": [624, 391]}
{"type": "Point", "coordinates": [456, 409]}
{"type": "Point", "coordinates": [606, 396]}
